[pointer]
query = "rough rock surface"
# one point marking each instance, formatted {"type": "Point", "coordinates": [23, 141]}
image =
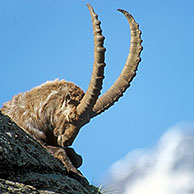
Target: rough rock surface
{"type": "Point", "coordinates": [26, 167]}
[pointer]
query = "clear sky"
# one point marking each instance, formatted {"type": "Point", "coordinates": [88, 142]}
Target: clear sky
{"type": "Point", "coordinates": [42, 40]}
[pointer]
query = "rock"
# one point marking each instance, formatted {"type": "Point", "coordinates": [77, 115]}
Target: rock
{"type": "Point", "coordinates": [26, 167]}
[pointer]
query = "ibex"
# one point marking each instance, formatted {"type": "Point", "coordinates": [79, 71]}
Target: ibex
{"type": "Point", "coordinates": [54, 112]}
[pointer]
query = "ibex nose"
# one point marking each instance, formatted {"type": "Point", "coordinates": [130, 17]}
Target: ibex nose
{"type": "Point", "coordinates": [64, 141]}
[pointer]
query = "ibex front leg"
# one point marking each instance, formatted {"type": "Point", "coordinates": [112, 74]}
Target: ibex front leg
{"type": "Point", "coordinates": [70, 159]}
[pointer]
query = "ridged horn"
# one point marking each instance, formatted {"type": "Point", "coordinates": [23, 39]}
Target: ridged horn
{"type": "Point", "coordinates": [97, 77]}
{"type": "Point", "coordinates": [128, 72]}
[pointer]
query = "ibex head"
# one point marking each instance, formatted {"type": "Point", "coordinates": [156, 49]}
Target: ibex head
{"type": "Point", "coordinates": [55, 111]}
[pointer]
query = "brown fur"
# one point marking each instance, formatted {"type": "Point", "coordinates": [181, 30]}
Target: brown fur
{"type": "Point", "coordinates": [43, 112]}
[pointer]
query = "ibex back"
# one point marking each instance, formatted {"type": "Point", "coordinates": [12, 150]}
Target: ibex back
{"type": "Point", "coordinates": [54, 112]}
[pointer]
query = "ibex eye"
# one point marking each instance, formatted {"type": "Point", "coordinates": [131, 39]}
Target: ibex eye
{"type": "Point", "coordinates": [68, 98]}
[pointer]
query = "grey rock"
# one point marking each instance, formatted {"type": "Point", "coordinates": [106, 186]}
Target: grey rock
{"type": "Point", "coordinates": [26, 167]}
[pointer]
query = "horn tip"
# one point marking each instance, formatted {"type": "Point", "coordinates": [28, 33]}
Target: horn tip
{"type": "Point", "coordinates": [127, 14]}
{"type": "Point", "coordinates": [89, 6]}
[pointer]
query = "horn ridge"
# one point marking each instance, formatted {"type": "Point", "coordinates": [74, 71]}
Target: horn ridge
{"type": "Point", "coordinates": [128, 73]}
{"type": "Point", "coordinates": [95, 86]}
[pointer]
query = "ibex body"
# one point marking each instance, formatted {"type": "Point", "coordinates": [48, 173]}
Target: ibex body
{"type": "Point", "coordinates": [54, 112]}
{"type": "Point", "coordinates": [44, 111]}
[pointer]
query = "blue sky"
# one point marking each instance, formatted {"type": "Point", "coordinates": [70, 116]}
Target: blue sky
{"type": "Point", "coordinates": [42, 40]}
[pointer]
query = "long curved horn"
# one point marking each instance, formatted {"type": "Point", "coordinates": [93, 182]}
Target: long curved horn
{"type": "Point", "coordinates": [97, 77]}
{"type": "Point", "coordinates": [128, 72]}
